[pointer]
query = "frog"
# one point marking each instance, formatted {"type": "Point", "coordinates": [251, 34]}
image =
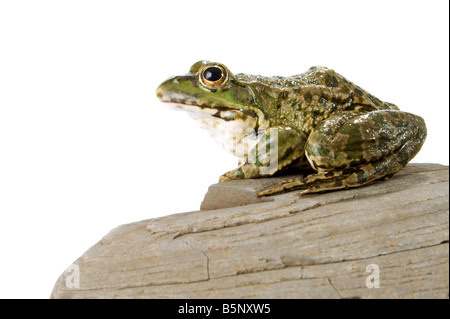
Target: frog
{"type": "Point", "coordinates": [332, 133]}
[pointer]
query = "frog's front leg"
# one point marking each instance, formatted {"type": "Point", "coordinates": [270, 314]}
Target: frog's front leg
{"type": "Point", "coordinates": [350, 150]}
{"type": "Point", "coordinates": [276, 149]}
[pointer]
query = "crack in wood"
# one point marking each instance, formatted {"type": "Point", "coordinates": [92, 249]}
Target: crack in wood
{"type": "Point", "coordinates": [329, 280]}
{"type": "Point", "coordinates": [204, 254]}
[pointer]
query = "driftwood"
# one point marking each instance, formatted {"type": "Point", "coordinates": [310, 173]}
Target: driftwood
{"type": "Point", "coordinates": [329, 245]}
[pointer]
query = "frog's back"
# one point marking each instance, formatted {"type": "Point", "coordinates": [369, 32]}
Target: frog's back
{"type": "Point", "coordinates": [306, 99]}
{"type": "Point", "coordinates": [319, 78]}
{"type": "Point", "coordinates": [318, 81]}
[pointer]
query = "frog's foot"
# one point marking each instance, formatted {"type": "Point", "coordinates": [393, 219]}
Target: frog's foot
{"type": "Point", "coordinates": [243, 171]}
{"type": "Point", "coordinates": [382, 169]}
{"type": "Point", "coordinates": [319, 182]}
{"type": "Point", "coordinates": [307, 182]}
{"type": "Point", "coordinates": [312, 178]}
{"type": "Point", "coordinates": [228, 176]}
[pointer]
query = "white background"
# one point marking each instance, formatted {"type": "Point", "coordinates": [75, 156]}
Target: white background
{"type": "Point", "coordinates": [85, 145]}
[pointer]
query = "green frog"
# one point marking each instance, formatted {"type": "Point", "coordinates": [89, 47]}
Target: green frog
{"type": "Point", "coordinates": [317, 122]}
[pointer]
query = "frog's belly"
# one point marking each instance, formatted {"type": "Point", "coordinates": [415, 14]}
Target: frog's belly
{"type": "Point", "coordinates": [237, 136]}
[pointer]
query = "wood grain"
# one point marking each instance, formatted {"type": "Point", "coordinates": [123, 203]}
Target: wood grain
{"type": "Point", "coordinates": [312, 246]}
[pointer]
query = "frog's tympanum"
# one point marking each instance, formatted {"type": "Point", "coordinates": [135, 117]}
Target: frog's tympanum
{"type": "Point", "coordinates": [317, 122]}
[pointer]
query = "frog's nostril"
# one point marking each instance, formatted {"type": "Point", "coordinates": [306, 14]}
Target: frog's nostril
{"type": "Point", "coordinates": [158, 93]}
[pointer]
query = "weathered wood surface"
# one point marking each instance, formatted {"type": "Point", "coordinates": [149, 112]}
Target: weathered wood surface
{"type": "Point", "coordinates": [314, 246]}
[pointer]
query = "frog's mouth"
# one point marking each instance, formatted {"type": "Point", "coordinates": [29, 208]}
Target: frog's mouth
{"type": "Point", "coordinates": [190, 104]}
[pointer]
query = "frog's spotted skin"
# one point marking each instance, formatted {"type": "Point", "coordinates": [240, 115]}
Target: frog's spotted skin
{"type": "Point", "coordinates": [319, 121]}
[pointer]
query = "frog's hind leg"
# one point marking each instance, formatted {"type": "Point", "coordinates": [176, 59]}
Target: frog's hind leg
{"type": "Point", "coordinates": [350, 150]}
{"type": "Point", "coordinates": [384, 168]}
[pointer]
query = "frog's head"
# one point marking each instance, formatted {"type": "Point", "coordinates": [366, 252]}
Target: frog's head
{"type": "Point", "coordinates": [225, 107]}
{"type": "Point", "coordinates": [209, 89]}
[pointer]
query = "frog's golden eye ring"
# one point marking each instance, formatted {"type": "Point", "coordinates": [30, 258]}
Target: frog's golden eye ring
{"type": "Point", "coordinates": [213, 76]}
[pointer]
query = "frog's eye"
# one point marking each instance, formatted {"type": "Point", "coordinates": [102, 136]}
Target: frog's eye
{"type": "Point", "coordinates": [213, 75]}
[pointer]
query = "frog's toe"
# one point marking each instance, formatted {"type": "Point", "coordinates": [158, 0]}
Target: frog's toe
{"type": "Point", "coordinates": [272, 191]}
{"type": "Point", "coordinates": [312, 178]}
{"type": "Point", "coordinates": [223, 178]}
{"type": "Point", "coordinates": [286, 185]}
{"type": "Point", "coordinates": [232, 175]}
{"type": "Point", "coordinates": [323, 186]}
{"type": "Point", "coordinates": [228, 176]}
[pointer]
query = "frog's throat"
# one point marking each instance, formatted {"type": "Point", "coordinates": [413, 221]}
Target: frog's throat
{"type": "Point", "coordinates": [235, 130]}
